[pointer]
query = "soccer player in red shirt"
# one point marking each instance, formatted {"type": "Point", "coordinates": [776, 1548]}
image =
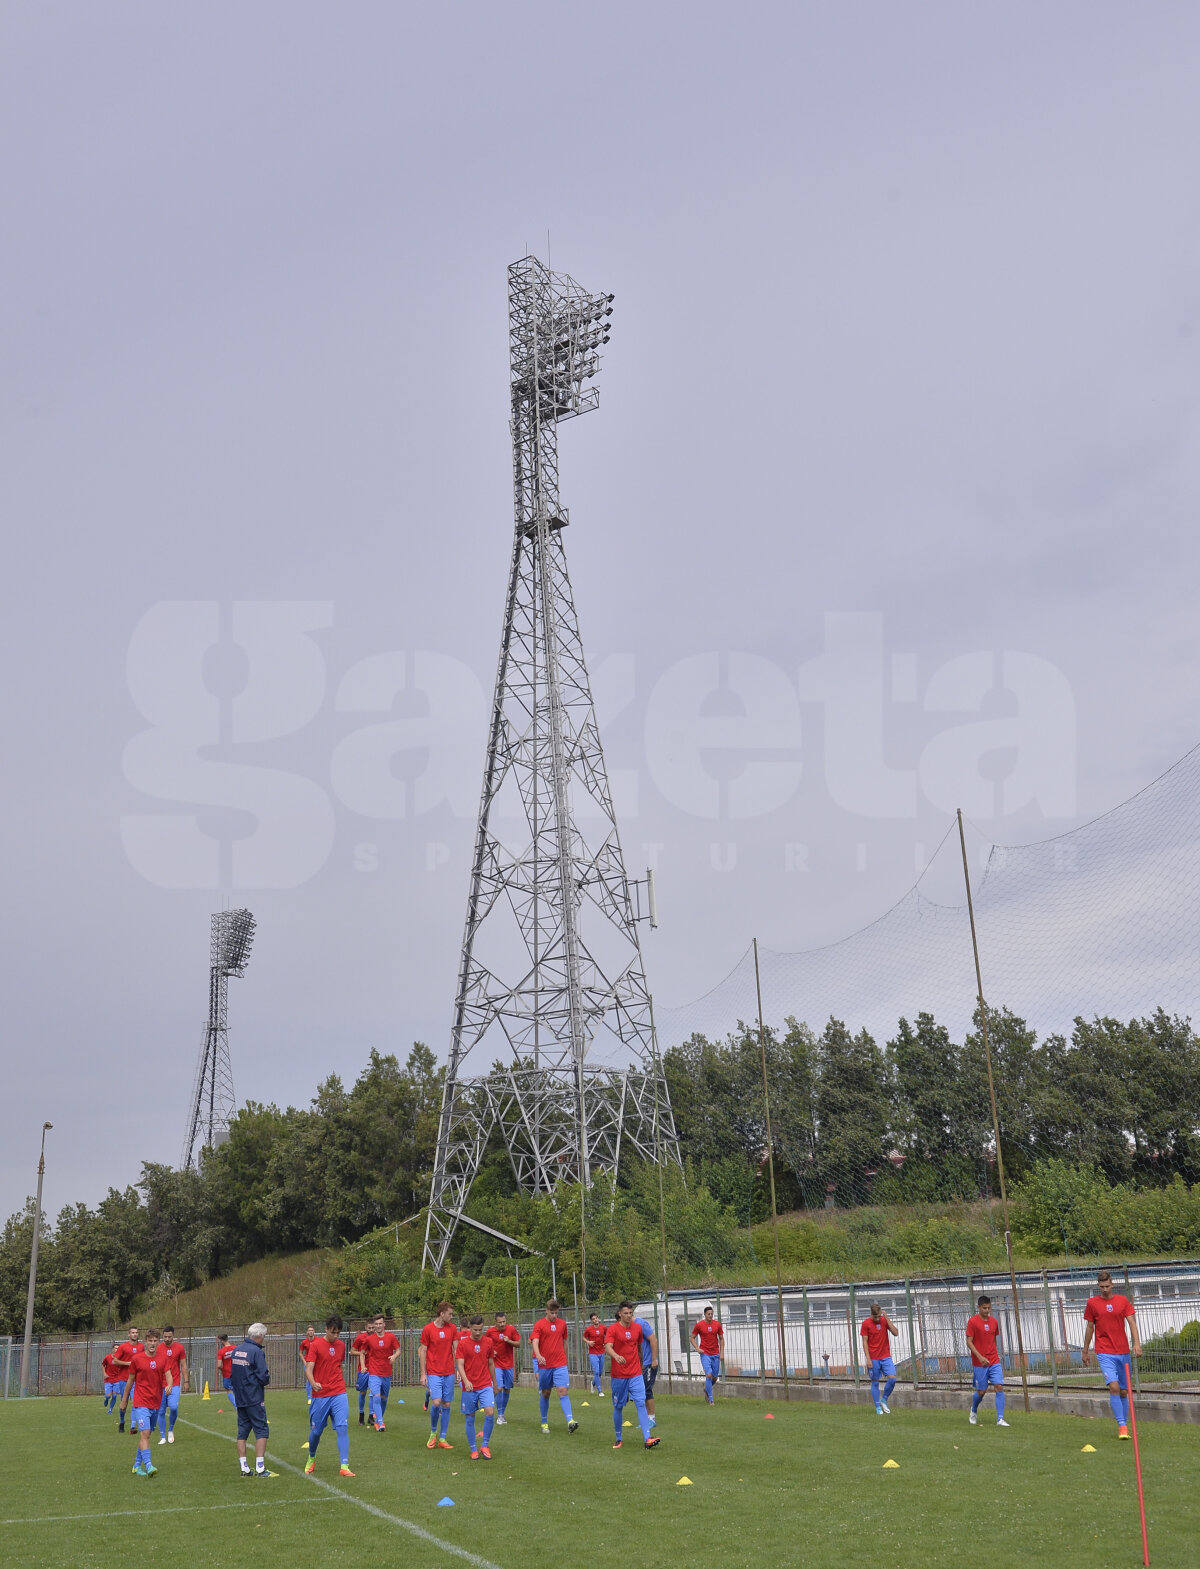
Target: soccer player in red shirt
{"type": "Point", "coordinates": [113, 1381]}
{"type": "Point", "coordinates": [474, 1354]}
{"type": "Point", "coordinates": [987, 1370]}
{"type": "Point", "coordinates": [708, 1333]}
{"type": "Point", "coordinates": [361, 1341]}
{"type": "Point", "coordinates": [1106, 1316]}
{"type": "Point", "coordinates": [172, 1350]}
{"type": "Point", "coordinates": [594, 1334]}
{"type": "Point", "coordinates": [547, 1340]}
{"type": "Point", "coordinates": [329, 1402]}
{"type": "Point", "coordinates": [382, 1350]}
{"type": "Point", "coordinates": [878, 1350]}
{"type": "Point", "coordinates": [310, 1335]}
{"type": "Point", "coordinates": [122, 1358]}
{"type": "Point", "coordinates": [148, 1375]}
{"type": "Point", "coordinates": [504, 1337]}
{"type": "Point", "coordinates": [435, 1353]}
{"type": "Point", "coordinates": [623, 1344]}
{"type": "Point", "coordinates": [225, 1362]}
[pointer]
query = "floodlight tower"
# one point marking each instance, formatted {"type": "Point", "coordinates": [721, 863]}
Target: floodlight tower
{"type": "Point", "coordinates": [551, 979]}
{"type": "Point", "coordinates": [213, 1104]}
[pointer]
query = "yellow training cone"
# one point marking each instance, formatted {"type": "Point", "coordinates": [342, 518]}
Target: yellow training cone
{"type": "Point", "coordinates": [626, 1424]}
{"type": "Point", "coordinates": [587, 1402]}
{"type": "Point", "coordinates": [1088, 1449]}
{"type": "Point", "coordinates": [891, 1465]}
{"type": "Point", "coordinates": [684, 1481]}
{"type": "Point", "coordinates": [206, 1395]}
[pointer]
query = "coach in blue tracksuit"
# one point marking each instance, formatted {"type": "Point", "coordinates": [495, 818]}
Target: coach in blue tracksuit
{"type": "Point", "coordinates": [250, 1375]}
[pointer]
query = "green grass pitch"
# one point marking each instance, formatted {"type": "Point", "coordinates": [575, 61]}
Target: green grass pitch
{"type": "Point", "coordinates": [807, 1488]}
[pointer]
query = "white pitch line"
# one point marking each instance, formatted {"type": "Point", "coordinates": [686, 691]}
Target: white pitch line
{"type": "Point", "coordinates": [380, 1514]}
{"type": "Point", "coordinates": [171, 1509]}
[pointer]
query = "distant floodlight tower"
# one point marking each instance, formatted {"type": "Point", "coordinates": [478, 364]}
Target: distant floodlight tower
{"type": "Point", "coordinates": [551, 988]}
{"type": "Point", "coordinates": [213, 1105]}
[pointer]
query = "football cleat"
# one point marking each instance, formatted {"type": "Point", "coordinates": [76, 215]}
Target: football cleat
{"type": "Point", "coordinates": [545, 1427]}
{"type": "Point", "coordinates": [885, 1408]}
{"type": "Point", "coordinates": [485, 1451]}
{"type": "Point", "coordinates": [474, 1454]}
{"type": "Point", "coordinates": [973, 1419]}
{"type": "Point", "coordinates": [432, 1444]}
{"type": "Point", "coordinates": [150, 1469]}
{"type": "Point", "coordinates": [311, 1466]}
{"type": "Point", "coordinates": [443, 1444]}
{"type": "Point", "coordinates": [1122, 1431]}
{"type": "Point", "coordinates": [617, 1445]}
{"type": "Point", "coordinates": [653, 1443]}
{"type": "Point", "coordinates": [572, 1425]}
{"type": "Point", "coordinates": [171, 1436]}
{"type": "Point", "coordinates": [1000, 1422]}
{"type": "Point", "coordinates": [345, 1471]}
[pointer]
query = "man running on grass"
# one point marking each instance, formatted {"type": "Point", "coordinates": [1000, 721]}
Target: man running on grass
{"type": "Point", "coordinates": [708, 1333]}
{"type": "Point", "coordinates": [113, 1382]}
{"type": "Point", "coordinates": [436, 1356]}
{"type": "Point", "coordinates": [172, 1350]}
{"type": "Point", "coordinates": [987, 1370]}
{"type": "Point", "coordinates": [328, 1379]}
{"type": "Point", "coordinates": [1106, 1316]}
{"type": "Point", "coordinates": [122, 1359]}
{"type": "Point", "coordinates": [593, 1334]}
{"type": "Point", "coordinates": [310, 1334]}
{"type": "Point", "coordinates": [224, 1363]}
{"type": "Point", "coordinates": [505, 1337]}
{"type": "Point", "coordinates": [148, 1374]}
{"type": "Point", "coordinates": [623, 1343]}
{"type": "Point", "coordinates": [250, 1376]}
{"type": "Point", "coordinates": [362, 1379]}
{"type": "Point", "coordinates": [877, 1351]}
{"type": "Point", "coordinates": [547, 1340]}
{"type": "Point", "coordinates": [475, 1371]}
{"type": "Point", "coordinates": [382, 1350]}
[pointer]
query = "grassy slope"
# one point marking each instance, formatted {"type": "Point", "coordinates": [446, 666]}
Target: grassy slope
{"type": "Point", "coordinates": [271, 1289]}
{"type": "Point", "coordinates": [807, 1488]}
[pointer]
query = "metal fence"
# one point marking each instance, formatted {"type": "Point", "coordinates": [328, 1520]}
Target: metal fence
{"type": "Point", "coordinates": [817, 1338]}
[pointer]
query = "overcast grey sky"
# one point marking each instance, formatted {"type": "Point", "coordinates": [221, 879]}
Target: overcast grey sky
{"type": "Point", "coordinates": [899, 436]}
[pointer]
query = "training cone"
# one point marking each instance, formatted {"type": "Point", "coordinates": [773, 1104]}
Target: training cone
{"type": "Point", "coordinates": [206, 1395]}
{"type": "Point", "coordinates": [626, 1424]}
{"type": "Point", "coordinates": [891, 1465]}
{"type": "Point", "coordinates": [684, 1481]}
{"type": "Point", "coordinates": [445, 1503]}
{"type": "Point", "coordinates": [770, 1416]}
{"type": "Point", "coordinates": [1088, 1449]}
{"type": "Point", "coordinates": [587, 1402]}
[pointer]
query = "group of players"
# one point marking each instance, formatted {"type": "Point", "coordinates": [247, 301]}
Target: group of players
{"type": "Point", "coordinates": [480, 1363]}
{"type": "Point", "coordinates": [1106, 1316]}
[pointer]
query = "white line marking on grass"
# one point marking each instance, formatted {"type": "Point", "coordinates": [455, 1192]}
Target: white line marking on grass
{"type": "Point", "coordinates": [380, 1514]}
{"type": "Point", "coordinates": [171, 1509]}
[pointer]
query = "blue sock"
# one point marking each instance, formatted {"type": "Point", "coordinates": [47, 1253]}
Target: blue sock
{"type": "Point", "coordinates": [1125, 1409]}
{"type": "Point", "coordinates": [1117, 1406]}
{"type": "Point", "coordinates": [174, 1415]}
{"type": "Point", "coordinates": [565, 1402]}
{"type": "Point", "coordinates": [617, 1410]}
{"type": "Point", "coordinates": [362, 1401]}
{"type": "Point", "coordinates": [875, 1390]}
{"type": "Point", "coordinates": [643, 1417]}
{"type": "Point", "coordinates": [708, 1385]}
{"type": "Point", "coordinates": [544, 1402]}
{"type": "Point", "coordinates": [887, 1389]}
{"type": "Point", "coordinates": [343, 1443]}
{"type": "Point", "coordinates": [471, 1439]}
{"type": "Point", "coordinates": [433, 1417]}
{"type": "Point", "coordinates": [445, 1422]}
{"type": "Point", "coordinates": [999, 1404]}
{"type": "Point", "coordinates": [377, 1410]}
{"type": "Point", "coordinates": [489, 1421]}
{"type": "Point", "coordinates": [975, 1399]}
{"type": "Point", "coordinates": [314, 1438]}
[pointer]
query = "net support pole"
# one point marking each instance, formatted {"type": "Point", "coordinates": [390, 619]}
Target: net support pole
{"type": "Point", "coordinates": [807, 1338]}
{"type": "Point", "coordinates": [912, 1338]}
{"type": "Point", "coordinates": [1050, 1348]}
{"type": "Point", "coordinates": [659, 1081]}
{"type": "Point", "coordinates": [762, 1046]}
{"type": "Point", "coordinates": [987, 1054]}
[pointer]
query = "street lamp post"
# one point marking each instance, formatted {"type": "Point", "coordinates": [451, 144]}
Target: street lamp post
{"type": "Point", "coordinates": [33, 1253]}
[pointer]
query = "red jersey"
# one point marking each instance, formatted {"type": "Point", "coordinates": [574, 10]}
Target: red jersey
{"type": "Point", "coordinates": [225, 1358]}
{"type": "Point", "coordinates": [983, 1332]}
{"type": "Point", "coordinates": [306, 1347]}
{"type": "Point", "coordinates": [709, 1333]}
{"type": "Point", "coordinates": [380, 1349]}
{"type": "Point", "coordinates": [149, 1377]}
{"type": "Point", "coordinates": [595, 1335]}
{"type": "Point", "coordinates": [550, 1334]}
{"type": "Point", "coordinates": [1109, 1315]}
{"type": "Point", "coordinates": [626, 1341]}
{"type": "Point", "coordinates": [173, 1355]}
{"type": "Point", "coordinates": [878, 1343]}
{"type": "Point", "coordinates": [475, 1352]}
{"type": "Point", "coordinates": [439, 1341]}
{"type": "Point", "coordinates": [125, 1353]}
{"type": "Point", "coordinates": [362, 1342]}
{"type": "Point", "coordinates": [111, 1373]}
{"type": "Point", "coordinates": [326, 1357]}
{"type": "Point", "coordinates": [503, 1341]}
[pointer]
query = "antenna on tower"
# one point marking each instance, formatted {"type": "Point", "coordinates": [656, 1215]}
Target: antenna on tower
{"type": "Point", "coordinates": [213, 1105]}
{"type": "Point", "coordinates": [551, 980]}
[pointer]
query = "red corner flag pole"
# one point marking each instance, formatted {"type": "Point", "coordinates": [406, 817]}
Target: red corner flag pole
{"type": "Point", "coordinates": [1137, 1466]}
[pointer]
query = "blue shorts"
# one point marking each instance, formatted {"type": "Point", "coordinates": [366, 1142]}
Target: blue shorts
{"type": "Point", "coordinates": [110, 1388]}
{"type": "Point", "coordinates": [882, 1367]}
{"type": "Point", "coordinates": [328, 1408]}
{"type": "Point", "coordinates": [472, 1399]}
{"type": "Point", "coordinates": [981, 1377]}
{"type": "Point", "coordinates": [597, 1365]}
{"type": "Point", "coordinates": [440, 1386]}
{"type": "Point", "coordinates": [170, 1398]}
{"type": "Point", "coordinates": [1115, 1367]}
{"type": "Point", "coordinates": [504, 1378]}
{"type": "Point", "coordinates": [377, 1384]}
{"type": "Point", "coordinates": [553, 1378]}
{"type": "Point", "coordinates": [624, 1389]}
{"type": "Point", "coordinates": [228, 1382]}
{"type": "Point", "coordinates": [142, 1419]}
{"type": "Point", "coordinates": [711, 1366]}
{"type": "Point", "coordinates": [253, 1417]}
{"type": "Point", "coordinates": [649, 1374]}
{"type": "Point", "coordinates": [360, 1383]}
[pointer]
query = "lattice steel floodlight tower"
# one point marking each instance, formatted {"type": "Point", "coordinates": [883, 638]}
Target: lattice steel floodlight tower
{"type": "Point", "coordinates": [551, 978]}
{"type": "Point", "coordinates": [213, 1105]}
